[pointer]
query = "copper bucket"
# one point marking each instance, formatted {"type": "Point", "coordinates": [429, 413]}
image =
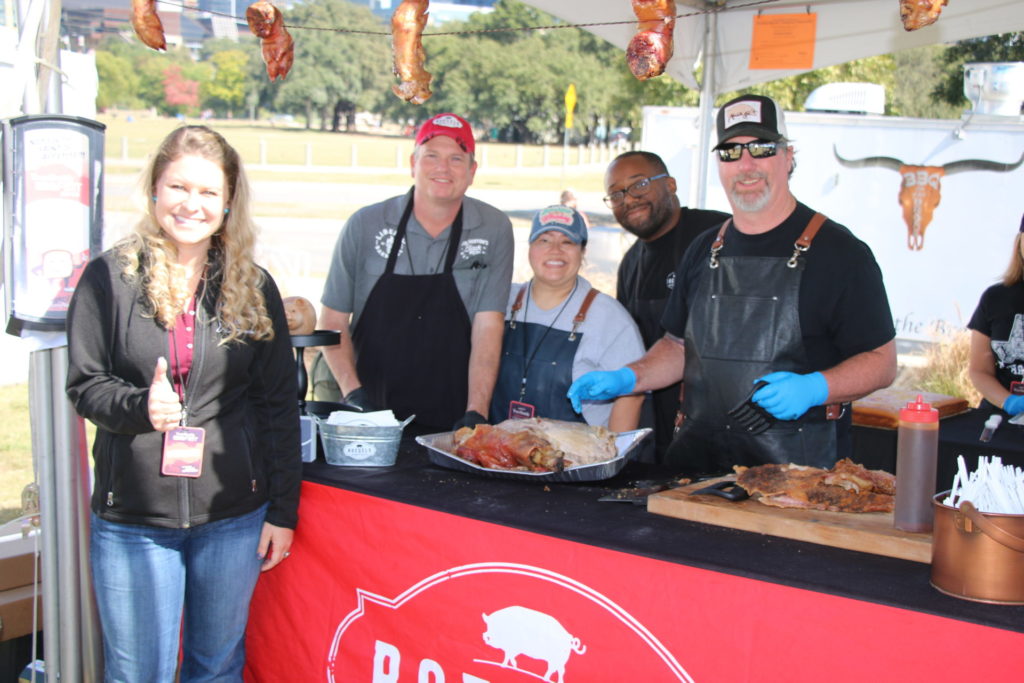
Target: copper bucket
{"type": "Point", "coordinates": [978, 556]}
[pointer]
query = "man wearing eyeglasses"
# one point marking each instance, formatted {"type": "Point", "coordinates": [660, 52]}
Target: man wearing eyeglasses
{"type": "Point", "coordinates": [642, 195]}
{"type": "Point", "coordinates": [777, 321]}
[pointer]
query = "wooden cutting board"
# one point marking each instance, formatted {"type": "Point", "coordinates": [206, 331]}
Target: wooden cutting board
{"type": "Point", "coordinates": [869, 532]}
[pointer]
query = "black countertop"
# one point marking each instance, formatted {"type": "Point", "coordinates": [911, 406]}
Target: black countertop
{"type": "Point", "coordinates": [573, 512]}
{"type": "Point", "coordinates": [958, 436]}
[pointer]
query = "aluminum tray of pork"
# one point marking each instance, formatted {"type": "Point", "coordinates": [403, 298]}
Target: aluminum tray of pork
{"type": "Point", "coordinates": [536, 449]}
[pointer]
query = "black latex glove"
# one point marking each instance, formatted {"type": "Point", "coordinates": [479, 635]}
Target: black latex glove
{"type": "Point", "coordinates": [470, 419]}
{"type": "Point", "coordinates": [360, 400]}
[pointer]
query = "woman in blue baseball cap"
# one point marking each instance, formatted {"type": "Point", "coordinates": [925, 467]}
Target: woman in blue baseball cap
{"type": "Point", "coordinates": [996, 364]}
{"type": "Point", "coordinates": [559, 327]}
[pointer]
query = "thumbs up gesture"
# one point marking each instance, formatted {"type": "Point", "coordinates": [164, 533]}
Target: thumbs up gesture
{"type": "Point", "coordinates": [164, 406]}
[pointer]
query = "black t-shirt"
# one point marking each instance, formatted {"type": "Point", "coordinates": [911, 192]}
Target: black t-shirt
{"type": "Point", "coordinates": [647, 270]}
{"type": "Point", "coordinates": [1000, 317]}
{"type": "Point", "coordinates": [843, 306]}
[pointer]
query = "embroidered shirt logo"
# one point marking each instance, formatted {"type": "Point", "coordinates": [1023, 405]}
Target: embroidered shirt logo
{"type": "Point", "coordinates": [383, 241]}
{"type": "Point", "coordinates": [472, 248]}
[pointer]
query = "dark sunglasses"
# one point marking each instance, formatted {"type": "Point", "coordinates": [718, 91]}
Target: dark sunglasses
{"type": "Point", "coordinates": [759, 149]}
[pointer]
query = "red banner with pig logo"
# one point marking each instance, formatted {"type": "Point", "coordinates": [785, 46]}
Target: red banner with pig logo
{"type": "Point", "coordinates": [512, 638]}
{"type": "Point", "coordinates": [377, 591]}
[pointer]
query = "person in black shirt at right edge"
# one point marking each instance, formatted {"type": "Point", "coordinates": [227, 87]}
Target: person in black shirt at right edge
{"type": "Point", "coordinates": [642, 195]}
{"type": "Point", "coordinates": [780, 295]}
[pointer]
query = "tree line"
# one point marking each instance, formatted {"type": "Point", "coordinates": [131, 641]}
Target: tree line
{"type": "Point", "coordinates": [509, 80]}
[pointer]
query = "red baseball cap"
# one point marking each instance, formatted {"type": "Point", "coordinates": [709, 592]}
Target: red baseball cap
{"type": "Point", "coordinates": [451, 125]}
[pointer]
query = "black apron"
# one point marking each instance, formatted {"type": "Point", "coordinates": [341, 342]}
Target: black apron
{"type": "Point", "coordinates": [536, 365]}
{"type": "Point", "coordinates": [412, 340]}
{"type": "Point", "coordinates": [745, 323]}
{"type": "Point", "coordinates": [661, 406]}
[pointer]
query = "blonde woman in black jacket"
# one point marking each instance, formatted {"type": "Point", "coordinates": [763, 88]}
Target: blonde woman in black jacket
{"type": "Point", "coordinates": [180, 354]}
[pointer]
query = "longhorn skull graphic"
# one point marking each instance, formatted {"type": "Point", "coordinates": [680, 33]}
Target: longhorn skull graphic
{"type": "Point", "coordinates": [922, 186]}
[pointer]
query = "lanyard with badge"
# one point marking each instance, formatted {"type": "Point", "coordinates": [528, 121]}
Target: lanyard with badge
{"type": "Point", "coordinates": [520, 410]}
{"type": "Point", "coordinates": [183, 445]}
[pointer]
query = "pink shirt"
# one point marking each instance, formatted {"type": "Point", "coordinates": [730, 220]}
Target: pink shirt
{"type": "Point", "coordinates": [181, 339]}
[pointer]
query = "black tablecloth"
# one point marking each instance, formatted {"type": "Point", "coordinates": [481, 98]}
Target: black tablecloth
{"type": "Point", "coordinates": [573, 512]}
{"type": "Point", "coordinates": [876, 448]}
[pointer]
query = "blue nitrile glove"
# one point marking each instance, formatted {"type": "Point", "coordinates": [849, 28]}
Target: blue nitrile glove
{"type": "Point", "coordinates": [789, 395]}
{"type": "Point", "coordinates": [1014, 404]}
{"type": "Point", "coordinates": [601, 385]}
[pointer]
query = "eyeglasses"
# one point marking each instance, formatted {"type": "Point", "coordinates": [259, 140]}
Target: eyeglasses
{"type": "Point", "coordinates": [759, 149]}
{"type": "Point", "coordinates": [636, 190]}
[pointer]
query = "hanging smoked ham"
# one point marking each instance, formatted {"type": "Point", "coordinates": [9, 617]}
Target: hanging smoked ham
{"type": "Point", "coordinates": [267, 24]}
{"type": "Point", "coordinates": [651, 47]}
{"type": "Point", "coordinates": [920, 13]}
{"type": "Point", "coordinates": [147, 24]}
{"type": "Point", "coordinates": [407, 42]}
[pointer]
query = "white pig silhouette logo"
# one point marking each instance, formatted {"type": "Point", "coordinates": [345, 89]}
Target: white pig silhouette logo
{"type": "Point", "coordinates": [522, 631]}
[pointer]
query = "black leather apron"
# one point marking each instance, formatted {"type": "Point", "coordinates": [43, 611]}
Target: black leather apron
{"type": "Point", "coordinates": [536, 365]}
{"type": "Point", "coordinates": [412, 340]}
{"type": "Point", "coordinates": [745, 323]}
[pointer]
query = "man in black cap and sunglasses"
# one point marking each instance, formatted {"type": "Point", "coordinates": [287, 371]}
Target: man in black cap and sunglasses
{"type": "Point", "coordinates": [778, 319]}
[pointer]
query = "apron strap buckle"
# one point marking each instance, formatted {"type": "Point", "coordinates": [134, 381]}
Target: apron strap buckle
{"type": "Point", "coordinates": [717, 245]}
{"type": "Point", "coordinates": [516, 306]}
{"type": "Point", "coordinates": [581, 314]}
{"type": "Point", "coordinates": [803, 242]}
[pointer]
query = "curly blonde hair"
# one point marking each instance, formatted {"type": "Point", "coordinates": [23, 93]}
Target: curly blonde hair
{"type": "Point", "coordinates": [149, 255]}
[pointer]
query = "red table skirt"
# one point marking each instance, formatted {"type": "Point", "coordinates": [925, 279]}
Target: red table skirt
{"type": "Point", "coordinates": [386, 592]}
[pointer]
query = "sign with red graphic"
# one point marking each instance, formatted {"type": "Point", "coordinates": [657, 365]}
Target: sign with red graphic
{"type": "Point", "coordinates": [382, 592]}
{"type": "Point", "coordinates": [55, 222]}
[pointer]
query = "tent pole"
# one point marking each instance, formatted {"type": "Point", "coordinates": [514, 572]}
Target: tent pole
{"type": "Point", "coordinates": [42, 453]}
{"type": "Point", "coordinates": [707, 107]}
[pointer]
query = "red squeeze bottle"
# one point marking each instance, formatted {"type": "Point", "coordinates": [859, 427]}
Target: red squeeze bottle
{"type": "Point", "coordinates": [917, 450]}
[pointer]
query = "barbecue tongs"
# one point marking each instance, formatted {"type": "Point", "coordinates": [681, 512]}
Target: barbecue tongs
{"type": "Point", "coordinates": [752, 418]}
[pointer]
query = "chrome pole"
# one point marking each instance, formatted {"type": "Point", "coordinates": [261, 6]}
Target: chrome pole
{"type": "Point", "coordinates": [42, 454]}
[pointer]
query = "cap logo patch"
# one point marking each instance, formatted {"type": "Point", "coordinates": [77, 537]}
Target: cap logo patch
{"type": "Point", "coordinates": [743, 112]}
{"type": "Point", "coordinates": [447, 121]}
{"type": "Point", "coordinates": [557, 216]}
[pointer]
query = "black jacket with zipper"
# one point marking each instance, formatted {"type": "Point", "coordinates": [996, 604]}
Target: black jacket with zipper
{"type": "Point", "coordinates": [244, 394]}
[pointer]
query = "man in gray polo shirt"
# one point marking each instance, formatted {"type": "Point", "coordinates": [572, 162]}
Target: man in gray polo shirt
{"type": "Point", "coordinates": [422, 281]}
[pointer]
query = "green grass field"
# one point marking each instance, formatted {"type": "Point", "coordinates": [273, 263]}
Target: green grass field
{"type": "Point", "coordinates": [128, 141]}
{"type": "Point", "coordinates": [15, 449]}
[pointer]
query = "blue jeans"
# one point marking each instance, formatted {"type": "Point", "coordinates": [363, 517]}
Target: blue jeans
{"type": "Point", "coordinates": [145, 576]}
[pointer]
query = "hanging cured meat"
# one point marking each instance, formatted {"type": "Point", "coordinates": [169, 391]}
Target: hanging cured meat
{"type": "Point", "coordinates": [651, 47]}
{"type": "Point", "coordinates": [267, 24]}
{"type": "Point", "coordinates": [147, 24]}
{"type": "Point", "coordinates": [920, 13]}
{"type": "Point", "coordinates": [407, 42]}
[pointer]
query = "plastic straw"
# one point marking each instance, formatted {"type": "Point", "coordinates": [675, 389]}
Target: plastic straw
{"type": "Point", "coordinates": [992, 487]}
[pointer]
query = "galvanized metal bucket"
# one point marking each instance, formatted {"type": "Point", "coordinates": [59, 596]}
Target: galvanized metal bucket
{"type": "Point", "coordinates": [361, 445]}
{"type": "Point", "coordinates": [977, 555]}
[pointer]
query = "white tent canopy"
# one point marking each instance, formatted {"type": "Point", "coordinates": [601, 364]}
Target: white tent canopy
{"type": "Point", "coordinates": [716, 36]}
{"type": "Point", "coordinates": [846, 30]}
